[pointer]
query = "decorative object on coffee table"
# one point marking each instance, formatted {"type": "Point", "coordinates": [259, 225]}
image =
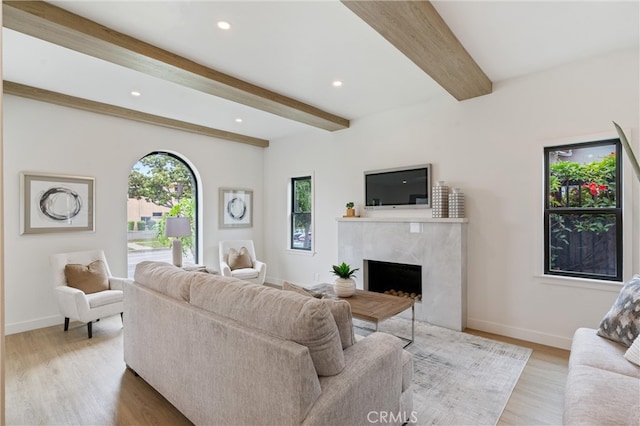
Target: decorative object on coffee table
{"type": "Point", "coordinates": [440, 200]}
{"type": "Point", "coordinates": [344, 285]}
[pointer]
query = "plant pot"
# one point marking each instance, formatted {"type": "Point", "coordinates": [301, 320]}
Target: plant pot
{"type": "Point", "coordinates": [344, 287]}
{"type": "Point", "coordinates": [351, 212]}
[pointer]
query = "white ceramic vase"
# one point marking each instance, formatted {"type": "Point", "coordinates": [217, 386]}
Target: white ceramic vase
{"type": "Point", "coordinates": [344, 287]}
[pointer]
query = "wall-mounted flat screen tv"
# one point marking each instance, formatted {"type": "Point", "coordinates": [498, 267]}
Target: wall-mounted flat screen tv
{"type": "Point", "coordinates": [401, 187]}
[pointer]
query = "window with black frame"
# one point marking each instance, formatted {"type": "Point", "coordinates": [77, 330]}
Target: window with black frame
{"type": "Point", "coordinates": [301, 217]}
{"type": "Point", "coordinates": [583, 210]}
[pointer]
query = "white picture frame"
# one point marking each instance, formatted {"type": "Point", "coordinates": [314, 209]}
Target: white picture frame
{"type": "Point", "coordinates": [56, 203]}
{"type": "Point", "coordinates": [236, 208]}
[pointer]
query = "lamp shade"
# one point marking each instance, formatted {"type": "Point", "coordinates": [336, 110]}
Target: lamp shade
{"type": "Point", "coordinates": [177, 227]}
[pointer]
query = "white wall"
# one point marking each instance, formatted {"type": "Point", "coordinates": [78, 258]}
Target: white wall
{"type": "Point", "coordinates": [492, 148]}
{"type": "Point", "coordinates": [40, 137]}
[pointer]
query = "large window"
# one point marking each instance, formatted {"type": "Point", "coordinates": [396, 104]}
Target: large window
{"type": "Point", "coordinates": [160, 185]}
{"type": "Point", "coordinates": [583, 210]}
{"type": "Point", "coordinates": [301, 217]}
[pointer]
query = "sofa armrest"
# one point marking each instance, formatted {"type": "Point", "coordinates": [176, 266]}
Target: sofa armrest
{"type": "Point", "coordinates": [117, 283]}
{"type": "Point", "coordinates": [371, 382]}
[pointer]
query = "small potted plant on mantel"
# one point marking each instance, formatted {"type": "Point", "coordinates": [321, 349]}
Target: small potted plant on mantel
{"type": "Point", "coordinates": [351, 212]}
{"type": "Point", "coordinates": [344, 285]}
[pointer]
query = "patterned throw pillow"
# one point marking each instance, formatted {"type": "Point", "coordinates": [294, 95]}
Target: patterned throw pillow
{"type": "Point", "coordinates": [622, 322]}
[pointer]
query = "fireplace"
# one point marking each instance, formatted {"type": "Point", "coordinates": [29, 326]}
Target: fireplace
{"type": "Point", "coordinates": [399, 279]}
{"type": "Point", "coordinates": [436, 246]}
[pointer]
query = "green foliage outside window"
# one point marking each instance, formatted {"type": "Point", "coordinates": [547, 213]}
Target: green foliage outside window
{"type": "Point", "coordinates": [165, 180]}
{"type": "Point", "coordinates": [582, 210]}
{"type": "Point", "coordinates": [593, 184]}
{"type": "Point", "coordinates": [160, 179]}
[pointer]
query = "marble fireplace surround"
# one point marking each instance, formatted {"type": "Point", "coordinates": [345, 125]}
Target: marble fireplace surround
{"type": "Point", "coordinates": [438, 245]}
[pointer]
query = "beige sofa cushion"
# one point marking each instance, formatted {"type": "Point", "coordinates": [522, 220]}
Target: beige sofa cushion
{"type": "Point", "coordinates": [306, 321]}
{"type": "Point", "coordinates": [594, 351]}
{"type": "Point", "coordinates": [599, 397]}
{"type": "Point", "coordinates": [91, 278]}
{"type": "Point", "coordinates": [340, 309]}
{"type": "Point", "coordinates": [166, 278]}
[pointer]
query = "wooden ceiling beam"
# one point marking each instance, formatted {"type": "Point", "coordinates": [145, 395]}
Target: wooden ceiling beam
{"type": "Point", "coordinates": [56, 25]}
{"type": "Point", "coordinates": [419, 32]}
{"type": "Point", "coordinates": [43, 95]}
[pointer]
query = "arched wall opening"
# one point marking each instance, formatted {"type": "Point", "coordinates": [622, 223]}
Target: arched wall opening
{"type": "Point", "coordinates": [161, 184]}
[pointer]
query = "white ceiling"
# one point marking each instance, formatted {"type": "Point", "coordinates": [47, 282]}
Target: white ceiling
{"type": "Point", "coordinates": [298, 48]}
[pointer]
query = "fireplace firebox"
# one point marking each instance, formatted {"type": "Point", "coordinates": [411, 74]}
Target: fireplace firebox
{"type": "Point", "coordinates": [399, 279]}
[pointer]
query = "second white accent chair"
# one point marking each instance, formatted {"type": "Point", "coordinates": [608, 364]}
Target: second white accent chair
{"type": "Point", "coordinates": [75, 304]}
{"type": "Point", "coordinates": [255, 274]}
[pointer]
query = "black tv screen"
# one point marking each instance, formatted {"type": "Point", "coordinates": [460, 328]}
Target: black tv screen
{"type": "Point", "coordinates": [405, 187]}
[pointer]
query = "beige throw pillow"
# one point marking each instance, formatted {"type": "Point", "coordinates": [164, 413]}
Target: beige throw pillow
{"type": "Point", "coordinates": [340, 310]}
{"type": "Point", "coordinates": [633, 353]}
{"type": "Point", "coordinates": [90, 278]}
{"type": "Point", "coordinates": [239, 260]}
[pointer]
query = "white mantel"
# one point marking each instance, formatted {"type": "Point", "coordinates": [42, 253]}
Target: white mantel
{"type": "Point", "coordinates": [403, 219]}
{"type": "Point", "coordinates": [438, 245]}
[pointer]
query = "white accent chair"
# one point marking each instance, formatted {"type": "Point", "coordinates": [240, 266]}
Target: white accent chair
{"type": "Point", "coordinates": [256, 274]}
{"type": "Point", "coordinates": [74, 303]}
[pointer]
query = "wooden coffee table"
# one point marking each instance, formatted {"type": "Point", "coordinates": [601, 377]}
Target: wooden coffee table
{"type": "Point", "coordinates": [374, 307]}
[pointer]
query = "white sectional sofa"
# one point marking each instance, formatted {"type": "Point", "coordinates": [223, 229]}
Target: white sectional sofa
{"type": "Point", "coordinates": [224, 351]}
{"type": "Point", "coordinates": [603, 387]}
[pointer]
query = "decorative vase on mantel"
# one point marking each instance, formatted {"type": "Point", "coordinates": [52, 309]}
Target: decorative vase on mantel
{"type": "Point", "coordinates": [344, 285]}
{"type": "Point", "coordinates": [440, 200]}
{"type": "Point", "coordinates": [456, 203]}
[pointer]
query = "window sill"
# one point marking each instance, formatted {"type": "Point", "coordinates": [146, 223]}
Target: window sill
{"type": "Point", "coordinates": [591, 284]}
{"type": "Point", "coordinates": [301, 252]}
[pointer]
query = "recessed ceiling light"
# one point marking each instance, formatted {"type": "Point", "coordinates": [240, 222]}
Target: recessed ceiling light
{"type": "Point", "coordinates": [224, 25]}
{"type": "Point", "coordinates": [337, 83]}
{"type": "Point", "coordinates": [135, 93]}
{"type": "Point", "coordinates": [238, 120]}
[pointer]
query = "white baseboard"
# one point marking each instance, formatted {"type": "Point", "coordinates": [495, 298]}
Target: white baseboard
{"type": "Point", "coordinates": [520, 333]}
{"type": "Point", "coordinates": [19, 327]}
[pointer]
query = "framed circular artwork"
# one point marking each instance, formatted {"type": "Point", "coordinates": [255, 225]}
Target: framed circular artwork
{"type": "Point", "coordinates": [236, 208]}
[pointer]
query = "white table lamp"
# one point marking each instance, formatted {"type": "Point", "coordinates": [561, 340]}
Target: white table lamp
{"type": "Point", "coordinates": [177, 227]}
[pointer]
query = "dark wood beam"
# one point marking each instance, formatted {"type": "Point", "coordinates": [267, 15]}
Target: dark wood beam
{"type": "Point", "coordinates": [56, 25]}
{"type": "Point", "coordinates": [417, 30]}
{"type": "Point", "coordinates": [43, 95]}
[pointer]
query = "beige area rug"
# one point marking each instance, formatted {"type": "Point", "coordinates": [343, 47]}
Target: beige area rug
{"type": "Point", "coordinates": [458, 378]}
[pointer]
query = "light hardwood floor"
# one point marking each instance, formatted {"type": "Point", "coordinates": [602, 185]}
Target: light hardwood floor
{"type": "Point", "coordinates": [538, 397]}
{"type": "Point", "coordinates": [53, 377]}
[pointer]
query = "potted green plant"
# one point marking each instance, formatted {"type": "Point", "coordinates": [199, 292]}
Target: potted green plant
{"type": "Point", "coordinates": [344, 285]}
{"type": "Point", "coordinates": [351, 212]}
